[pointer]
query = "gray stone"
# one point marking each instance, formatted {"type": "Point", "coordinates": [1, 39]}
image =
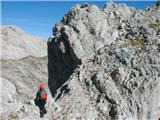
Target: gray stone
{"type": "Point", "coordinates": [116, 63]}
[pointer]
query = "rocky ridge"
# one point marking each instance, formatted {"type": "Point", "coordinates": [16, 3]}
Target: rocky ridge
{"type": "Point", "coordinates": [105, 63]}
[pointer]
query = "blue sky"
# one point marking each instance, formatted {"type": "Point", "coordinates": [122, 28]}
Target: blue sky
{"type": "Point", "coordinates": [38, 18]}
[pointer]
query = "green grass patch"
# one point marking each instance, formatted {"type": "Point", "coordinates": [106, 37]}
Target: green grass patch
{"type": "Point", "coordinates": [108, 46]}
{"type": "Point", "coordinates": [158, 47]}
{"type": "Point", "coordinates": [137, 42]}
{"type": "Point", "coordinates": [13, 116]}
{"type": "Point", "coordinates": [154, 25]}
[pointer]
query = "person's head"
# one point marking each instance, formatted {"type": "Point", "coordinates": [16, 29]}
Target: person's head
{"type": "Point", "coordinates": [41, 86]}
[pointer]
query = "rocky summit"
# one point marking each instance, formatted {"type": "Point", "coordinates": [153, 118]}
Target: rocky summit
{"type": "Point", "coordinates": [104, 64]}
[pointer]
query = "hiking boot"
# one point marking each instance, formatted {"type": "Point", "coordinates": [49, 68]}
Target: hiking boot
{"type": "Point", "coordinates": [41, 115]}
{"type": "Point", "coordinates": [45, 111]}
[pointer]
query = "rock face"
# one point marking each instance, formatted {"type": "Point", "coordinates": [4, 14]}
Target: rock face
{"type": "Point", "coordinates": [105, 63]}
{"type": "Point", "coordinates": [17, 44]}
{"type": "Point", "coordinates": [23, 65]}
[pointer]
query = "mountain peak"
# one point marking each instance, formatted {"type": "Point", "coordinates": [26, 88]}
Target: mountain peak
{"type": "Point", "coordinates": [16, 41]}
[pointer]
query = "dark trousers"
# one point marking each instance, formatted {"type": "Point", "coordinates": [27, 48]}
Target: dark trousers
{"type": "Point", "coordinates": [42, 108]}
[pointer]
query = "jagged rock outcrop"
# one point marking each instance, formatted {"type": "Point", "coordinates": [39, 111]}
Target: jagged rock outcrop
{"type": "Point", "coordinates": [105, 63]}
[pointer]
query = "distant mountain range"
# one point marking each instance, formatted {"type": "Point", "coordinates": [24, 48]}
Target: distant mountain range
{"type": "Point", "coordinates": [23, 67]}
{"type": "Point", "coordinates": [17, 44]}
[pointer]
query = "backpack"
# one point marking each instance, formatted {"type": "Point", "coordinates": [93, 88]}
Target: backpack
{"type": "Point", "coordinates": [43, 95]}
{"type": "Point", "coordinates": [36, 102]}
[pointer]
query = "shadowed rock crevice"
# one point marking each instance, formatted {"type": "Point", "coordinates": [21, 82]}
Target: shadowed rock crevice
{"type": "Point", "coordinates": [61, 62]}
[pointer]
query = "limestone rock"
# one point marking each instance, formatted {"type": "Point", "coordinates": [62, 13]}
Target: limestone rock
{"type": "Point", "coordinates": [106, 62]}
{"type": "Point", "coordinates": [16, 44]}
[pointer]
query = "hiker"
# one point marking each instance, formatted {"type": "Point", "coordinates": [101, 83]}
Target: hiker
{"type": "Point", "coordinates": [40, 100]}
